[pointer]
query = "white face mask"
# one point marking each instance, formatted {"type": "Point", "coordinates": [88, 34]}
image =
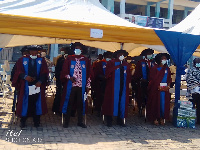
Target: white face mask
{"type": "Point", "coordinates": [43, 54]}
{"type": "Point", "coordinates": [77, 51]}
{"type": "Point", "coordinates": [149, 56]}
{"type": "Point", "coordinates": [129, 61]}
{"type": "Point", "coordinates": [62, 52]}
{"type": "Point", "coordinates": [121, 57]}
{"type": "Point", "coordinates": [197, 65]}
{"type": "Point", "coordinates": [33, 57]}
{"type": "Point", "coordinates": [108, 59]}
{"type": "Point", "coordinates": [164, 61]}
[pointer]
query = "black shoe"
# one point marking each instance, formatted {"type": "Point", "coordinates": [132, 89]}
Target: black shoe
{"type": "Point", "coordinates": [123, 125]}
{"type": "Point", "coordinates": [81, 125]}
{"type": "Point", "coordinates": [59, 114]}
{"type": "Point", "coordinates": [36, 125]}
{"type": "Point", "coordinates": [22, 125]}
{"type": "Point", "coordinates": [98, 114]}
{"type": "Point", "coordinates": [65, 126]}
{"type": "Point", "coordinates": [109, 124]}
{"type": "Point", "coordinates": [140, 113]}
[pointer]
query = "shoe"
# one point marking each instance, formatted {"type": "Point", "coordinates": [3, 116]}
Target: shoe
{"type": "Point", "coordinates": [73, 115]}
{"type": "Point", "coordinates": [98, 114]}
{"type": "Point", "coordinates": [59, 114]}
{"type": "Point", "coordinates": [65, 126]}
{"type": "Point", "coordinates": [109, 124]}
{"type": "Point", "coordinates": [23, 125]}
{"type": "Point", "coordinates": [140, 113]}
{"type": "Point", "coordinates": [81, 125]}
{"type": "Point", "coordinates": [123, 125]}
{"type": "Point", "coordinates": [36, 125]}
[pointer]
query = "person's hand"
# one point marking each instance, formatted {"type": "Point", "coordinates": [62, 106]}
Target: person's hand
{"type": "Point", "coordinates": [87, 90]}
{"type": "Point", "coordinates": [73, 79]}
{"type": "Point", "coordinates": [163, 88]}
{"type": "Point", "coordinates": [38, 84]}
{"type": "Point", "coordinates": [29, 79]}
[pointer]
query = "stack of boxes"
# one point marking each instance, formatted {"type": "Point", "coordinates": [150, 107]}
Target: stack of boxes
{"type": "Point", "coordinates": [184, 115]}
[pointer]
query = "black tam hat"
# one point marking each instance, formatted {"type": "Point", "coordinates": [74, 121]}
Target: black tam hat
{"type": "Point", "coordinates": [148, 50]}
{"type": "Point", "coordinates": [34, 48]}
{"type": "Point", "coordinates": [125, 53]}
{"type": "Point", "coordinates": [24, 49]}
{"type": "Point", "coordinates": [158, 57]}
{"type": "Point", "coordinates": [107, 54]}
{"type": "Point", "coordinates": [73, 45]}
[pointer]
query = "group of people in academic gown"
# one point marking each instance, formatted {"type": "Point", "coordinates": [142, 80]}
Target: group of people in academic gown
{"type": "Point", "coordinates": [112, 76]}
{"type": "Point", "coordinates": [152, 79]}
{"type": "Point", "coordinates": [31, 71]}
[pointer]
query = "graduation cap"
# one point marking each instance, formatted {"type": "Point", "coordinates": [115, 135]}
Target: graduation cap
{"type": "Point", "coordinates": [107, 54]}
{"type": "Point", "coordinates": [34, 48]}
{"type": "Point", "coordinates": [146, 51]}
{"type": "Point", "coordinates": [24, 49]}
{"type": "Point", "coordinates": [158, 57]}
{"type": "Point", "coordinates": [74, 45]}
{"type": "Point", "coordinates": [125, 53]}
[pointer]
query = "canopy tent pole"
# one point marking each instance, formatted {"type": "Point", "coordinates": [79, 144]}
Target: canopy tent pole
{"type": "Point", "coordinates": [122, 8]}
{"type": "Point", "coordinates": [122, 46]}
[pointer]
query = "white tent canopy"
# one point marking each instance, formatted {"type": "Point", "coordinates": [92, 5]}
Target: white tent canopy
{"type": "Point", "coordinates": [74, 10]}
{"type": "Point", "coordinates": [90, 11]}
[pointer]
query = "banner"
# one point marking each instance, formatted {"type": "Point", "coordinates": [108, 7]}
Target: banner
{"type": "Point", "coordinates": [145, 21]}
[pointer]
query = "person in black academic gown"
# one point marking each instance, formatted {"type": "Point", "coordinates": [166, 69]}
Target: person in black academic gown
{"type": "Point", "coordinates": [116, 96]}
{"type": "Point", "coordinates": [24, 51]}
{"type": "Point", "coordinates": [31, 71]}
{"type": "Point", "coordinates": [100, 81]}
{"type": "Point", "coordinates": [59, 87]}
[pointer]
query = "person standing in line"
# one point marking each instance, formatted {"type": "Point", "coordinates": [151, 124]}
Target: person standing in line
{"type": "Point", "coordinates": [100, 81]}
{"type": "Point", "coordinates": [158, 104]}
{"type": "Point", "coordinates": [141, 78]}
{"type": "Point", "coordinates": [116, 93]}
{"type": "Point", "coordinates": [59, 87]}
{"type": "Point", "coordinates": [30, 78]}
{"type": "Point", "coordinates": [75, 76]}
{"type": "Point", "coordinates": [24, 52]}
{"type": "Point", "coordinates": [193, 86]}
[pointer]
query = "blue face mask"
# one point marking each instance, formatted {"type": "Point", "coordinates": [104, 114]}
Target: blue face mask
{"type": "Point", "coordinates": [108, 59]}
{"type": "Point", "coordinates": [198, 65]}
{"type": "Point", "coordinates": [77, 51]}
{"type": "Point", "coordinates": [164, 61]}
{"type": "Point", "coordinates": [149, 56]}
{"type": "Point", "coordinates": [33, 57]}
{"type": "Point", "coordinates": [62, 52]}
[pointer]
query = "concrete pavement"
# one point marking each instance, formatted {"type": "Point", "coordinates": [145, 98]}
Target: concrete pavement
{"type": "Point", "coordinates": [51, 134]}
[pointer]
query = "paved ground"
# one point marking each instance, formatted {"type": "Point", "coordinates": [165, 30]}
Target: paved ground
{"type": "Point", "coordinates": [51, 135]}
